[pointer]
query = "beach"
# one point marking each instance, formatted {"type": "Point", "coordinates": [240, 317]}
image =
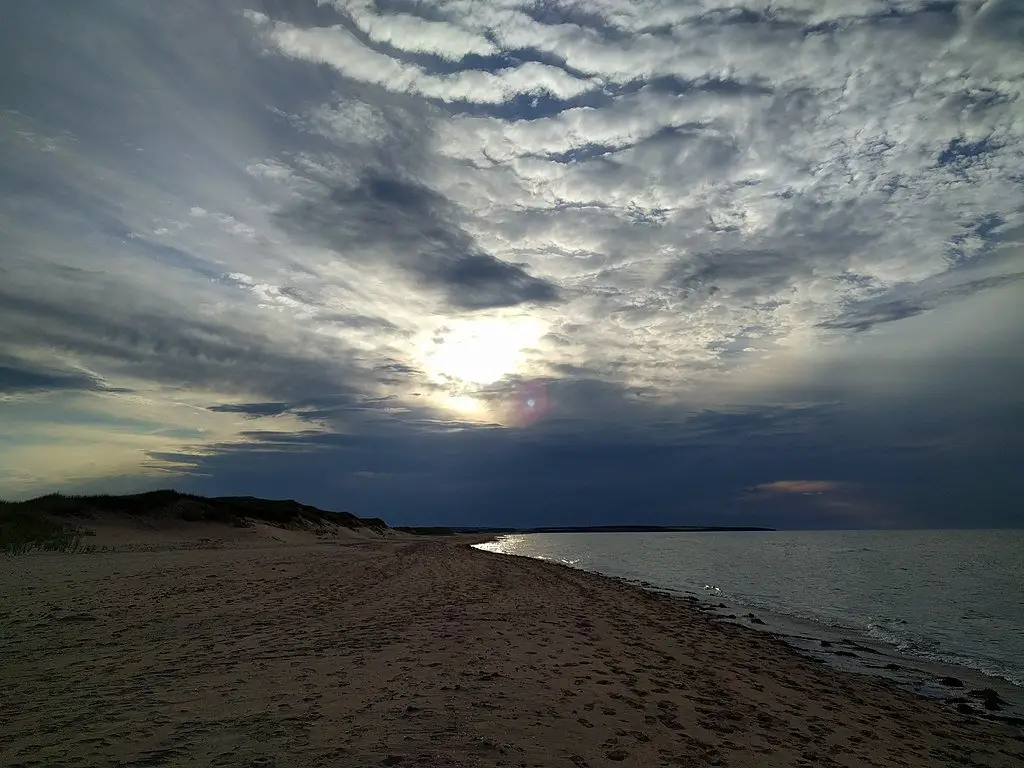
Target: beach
{"type": "Point", "coordinates": [420, 651]}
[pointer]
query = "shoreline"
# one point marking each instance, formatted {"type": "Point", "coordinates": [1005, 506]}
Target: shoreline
{"type": "Point", "coordinates": [943, 681]}
{"type": "Point", "coordinates": [424, 653]}
{"type": "Point", "coordinates": [832, 646]}
{"type": "Point", "coordinates": [843, 647]}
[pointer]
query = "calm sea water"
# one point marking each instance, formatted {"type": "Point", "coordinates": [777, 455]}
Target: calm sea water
{"type": "Point", "coordinates": [955, 597]}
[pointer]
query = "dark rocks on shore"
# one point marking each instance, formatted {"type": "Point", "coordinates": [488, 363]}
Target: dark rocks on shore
{"type": "Point", "coordinates": [753, 619]}
{"type": "Point", "coordinates": [990, 699]}
{"type": "Point", "coordinates": [952, 682]}
{"type": "Point", "coordinates": [826, 644]}
{"type": "Point", "coordinates": [892, 666]}
{"type": "Point", "coordinates": [850, 654]}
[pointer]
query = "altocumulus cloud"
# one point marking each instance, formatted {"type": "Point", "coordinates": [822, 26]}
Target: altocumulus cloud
{"type": "Point", "coordinates": [327, 249]}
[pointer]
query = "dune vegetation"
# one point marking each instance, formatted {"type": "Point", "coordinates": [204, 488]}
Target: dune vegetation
{"type": "Point", "coordinates": [58, 522]}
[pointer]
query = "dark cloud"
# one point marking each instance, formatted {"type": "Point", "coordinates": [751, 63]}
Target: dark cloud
{"type": "Point", "coordinates": [823, 504]}
{"type": "Point", "coordinates": [867, 318]}
{"type": "Point", "coordinates": [583, 153]}
{"type": "Point", "coordinates": [701, 468]}
{"type": "Point", "coordinates": [17, 376]}
{"type": "Point", "coordinates": [404, 223]}
{"type": "Point", "coordinates": [871, 314]}
{"type": "Point", "coordinates": [718, 85]}
{"type": "Point", "coordinates": [252, 410]}
{"type": "Point", "coordinates": [395, 372]}
{"type": "Point", "coordinates": [480, 281]}
{"type": "Point", "coordinates": [743, 274]}
{"type": "Point", "coordinates": [136, 340]}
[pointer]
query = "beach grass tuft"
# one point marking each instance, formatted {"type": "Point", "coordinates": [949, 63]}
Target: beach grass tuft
{"type": "Point", "coordinates": [24, 530]}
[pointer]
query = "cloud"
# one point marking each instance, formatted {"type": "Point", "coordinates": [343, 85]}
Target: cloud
{"type": "Point", "coordinates": [339, 48]}
{"type": "Point", "coordinates": [825, 504]}
{"type": "Point", "coordinates": [24, 376]}
{"type": "Point", "coordinates": [700, 230]}
{"type": "Point", "coordinates": [404, 223]}
{"type": "Point", "coordinates": [415, 34]}
{"type": "Point", "coordinates": [799, 486]}
{"type": "Point", "coordinates": [479, 281]}
{"type": "Point", "coordinates": [869, 314]}
{"type": "Point", "coordinates": [168, 348]}
{"type": "Point", "coordinates": [251, 410]}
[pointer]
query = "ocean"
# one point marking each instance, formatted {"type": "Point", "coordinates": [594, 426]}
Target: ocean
{"type": "Point", "coordinates": [949, 599]}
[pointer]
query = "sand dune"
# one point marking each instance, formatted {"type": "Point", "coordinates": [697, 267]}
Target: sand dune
{"type": "Point", "coordinates": [166, 519]}
{"type": "Point", "coordinates": [125, 534]}
{"type": "Point", "coordinates": [411, 652]}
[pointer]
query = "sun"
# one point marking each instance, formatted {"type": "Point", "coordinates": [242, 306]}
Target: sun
{"type": "Point", "coordinates": [479, 352]}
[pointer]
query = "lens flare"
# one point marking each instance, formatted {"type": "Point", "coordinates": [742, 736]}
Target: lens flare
{"type": "Point", "coordinates": [527, 404]}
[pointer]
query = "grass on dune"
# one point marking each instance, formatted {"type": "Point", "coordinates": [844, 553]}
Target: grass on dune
{"type": "Point", "coordinates": [23, 530]}
{"type": "Point", "coordinates": [30, 525]}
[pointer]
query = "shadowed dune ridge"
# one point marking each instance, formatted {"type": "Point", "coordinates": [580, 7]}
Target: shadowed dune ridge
{"type": "Point", "coordinates": [64, 522]}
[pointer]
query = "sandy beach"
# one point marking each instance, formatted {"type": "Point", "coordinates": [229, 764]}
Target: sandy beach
{"type": "Point", "coordinates": [405, 651]}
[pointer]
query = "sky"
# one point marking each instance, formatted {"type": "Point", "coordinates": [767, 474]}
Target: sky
{"type": "Point", "coordinates": [519, 263]}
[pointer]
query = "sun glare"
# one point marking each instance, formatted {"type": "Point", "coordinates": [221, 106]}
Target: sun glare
{"type": "Point", "coordinates": [466, 405]}
{"type": "Point", "coordinates": [480, 352]}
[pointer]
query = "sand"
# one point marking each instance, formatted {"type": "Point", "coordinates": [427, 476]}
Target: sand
{"type": "Point", "coordinates": [420, 652]}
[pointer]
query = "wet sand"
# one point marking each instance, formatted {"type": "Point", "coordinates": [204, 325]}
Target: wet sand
{"type": "Point", "coordinates": [417, 652]}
